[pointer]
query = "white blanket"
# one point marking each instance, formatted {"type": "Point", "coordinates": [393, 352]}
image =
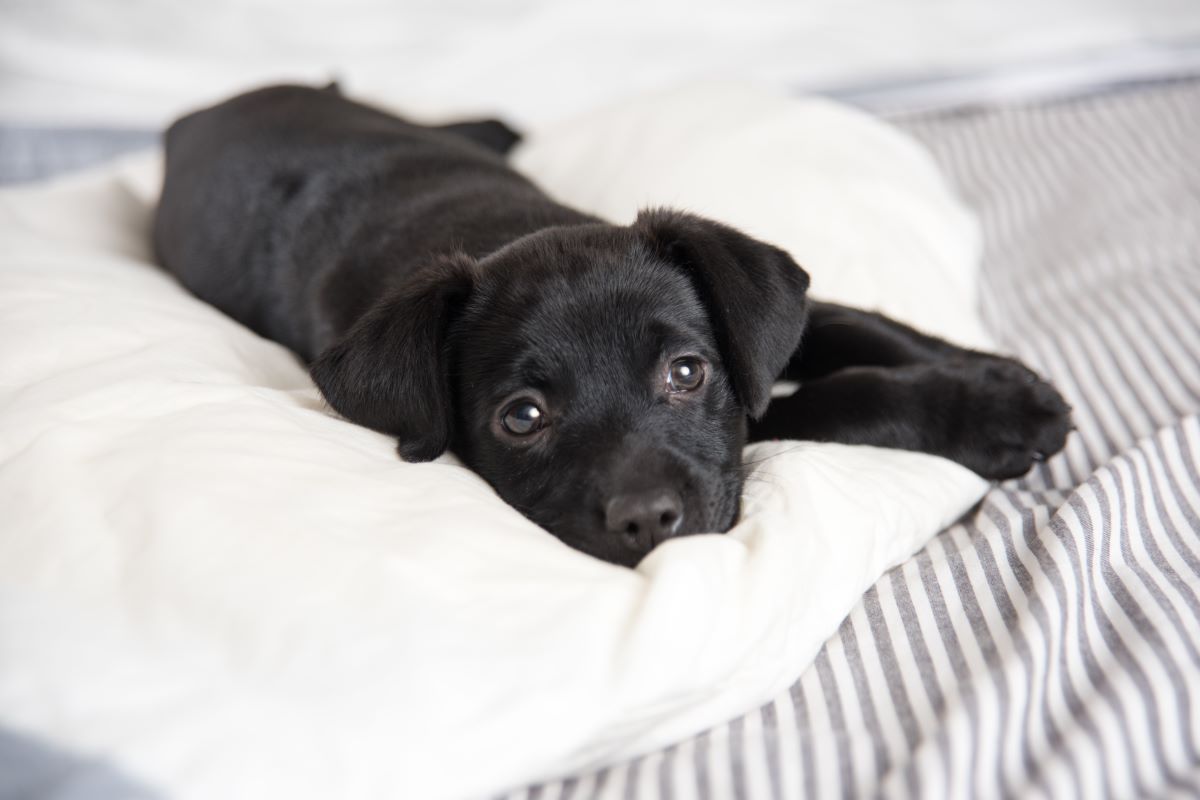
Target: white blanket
{"type": "Point", "coordinates": [70, 62]}
{"type": "Point", "coordinates": [211, 583]}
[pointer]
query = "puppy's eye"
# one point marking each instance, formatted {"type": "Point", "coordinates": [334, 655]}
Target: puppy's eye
{"type": "Point", "coordinates": [685, 375]}
{"type": "Point", "coordinates": [523, 418]}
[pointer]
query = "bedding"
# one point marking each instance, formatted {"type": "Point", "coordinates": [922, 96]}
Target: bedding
{"type": "Point", "coordinates": [1046, 645]}
{"type": "Point", "coordinates": [215, 588]}
{"type": "Point", "coordinates": [31, 153]}
{"type": "Point", "coordinates": [73, 62]}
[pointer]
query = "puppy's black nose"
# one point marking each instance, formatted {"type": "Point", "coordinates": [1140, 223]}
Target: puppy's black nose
{"type": "Point", "coordinates": [645, 519]}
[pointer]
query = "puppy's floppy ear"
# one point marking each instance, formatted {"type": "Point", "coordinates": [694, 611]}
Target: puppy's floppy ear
{"type": "Point", "coordinates": [755, 294]}
{"type": "Point", "coordinates": [389, 372]}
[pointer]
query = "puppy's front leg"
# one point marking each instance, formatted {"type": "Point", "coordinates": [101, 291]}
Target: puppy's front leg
{"type": "Point", "coordinates": [837, 337]}
{"type": "Point", "coordinates": [990, 414]}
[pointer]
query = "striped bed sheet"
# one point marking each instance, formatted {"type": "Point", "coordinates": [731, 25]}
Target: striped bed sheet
{"type": "Point", "coordinates": [1048, 645]}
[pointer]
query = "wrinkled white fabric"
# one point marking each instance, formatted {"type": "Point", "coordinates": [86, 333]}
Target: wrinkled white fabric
{"type": "Point", "coordinates": [143, 62]}
{"type": "Point", "coordinates": [225, 591]}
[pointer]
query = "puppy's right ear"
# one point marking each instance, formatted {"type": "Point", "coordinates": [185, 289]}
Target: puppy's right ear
{"type": "Point", "coordinates": [389, 372]}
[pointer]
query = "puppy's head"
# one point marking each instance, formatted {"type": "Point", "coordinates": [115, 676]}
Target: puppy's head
{"type": "Point", "coordinates": [598, 377]}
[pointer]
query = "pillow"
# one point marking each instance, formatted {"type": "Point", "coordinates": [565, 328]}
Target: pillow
{"type": "Point", "coordinates": [857, 203]}
{"type": "Point", "coordinates": [217, 587]}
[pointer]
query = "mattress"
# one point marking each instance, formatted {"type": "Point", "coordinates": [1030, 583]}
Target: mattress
{"type": "Point", "coordinates": [1049, 644]}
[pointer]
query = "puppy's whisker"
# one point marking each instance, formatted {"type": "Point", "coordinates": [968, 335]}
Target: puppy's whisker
{"type": "Point", "coordinates": [757, 461]}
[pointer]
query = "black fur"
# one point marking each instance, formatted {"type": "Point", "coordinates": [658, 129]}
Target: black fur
{"type": "Point", "coordinates": [439, 297]}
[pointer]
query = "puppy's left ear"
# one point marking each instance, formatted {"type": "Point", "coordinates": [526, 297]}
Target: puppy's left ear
{"type": "Point", "coordinates": [755, 294]}
{"type": "Point", "coordinates": [390, 371]}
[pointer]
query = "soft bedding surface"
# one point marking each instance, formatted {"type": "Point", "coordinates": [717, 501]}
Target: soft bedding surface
{"type": "Point", "coordinates": [91, 62]}
{"type": "Point", "coordinates": [214, 587]}
{"type": "Point", "coordinates": [1049, 645]}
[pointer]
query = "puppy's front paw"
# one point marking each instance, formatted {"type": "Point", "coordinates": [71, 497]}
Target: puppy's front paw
{"type": "Point", "coordinates": [1011, 418]}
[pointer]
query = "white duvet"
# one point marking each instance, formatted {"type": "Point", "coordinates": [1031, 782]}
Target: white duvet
{"type": "Point", "coordinates": [222, 590]}
{"type": "Point", "coordinates": [142, 62]}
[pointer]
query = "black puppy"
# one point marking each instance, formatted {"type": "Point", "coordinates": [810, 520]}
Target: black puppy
{"type": "Point", "coordinates": [602, 378]}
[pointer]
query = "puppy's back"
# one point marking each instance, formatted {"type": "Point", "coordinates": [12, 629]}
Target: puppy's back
{"type": "Point", "coordinates": [267, 193]}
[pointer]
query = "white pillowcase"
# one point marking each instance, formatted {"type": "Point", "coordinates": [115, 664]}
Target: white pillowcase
{"type": "Point", "coordinates": [857, 203]}
{"type": "Point", "coordinates": [221, 589]}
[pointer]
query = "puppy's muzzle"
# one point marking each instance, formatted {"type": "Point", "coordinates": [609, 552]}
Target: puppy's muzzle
{"type": "Point", "coordinates": [644, 519]}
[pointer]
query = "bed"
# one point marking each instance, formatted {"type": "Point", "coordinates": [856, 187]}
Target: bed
{"type": "Point", "coordinates": [1048, 644]}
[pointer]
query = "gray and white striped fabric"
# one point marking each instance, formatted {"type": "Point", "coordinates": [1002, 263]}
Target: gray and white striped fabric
{"type": "Point", "coordinates": [1049, 644]}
